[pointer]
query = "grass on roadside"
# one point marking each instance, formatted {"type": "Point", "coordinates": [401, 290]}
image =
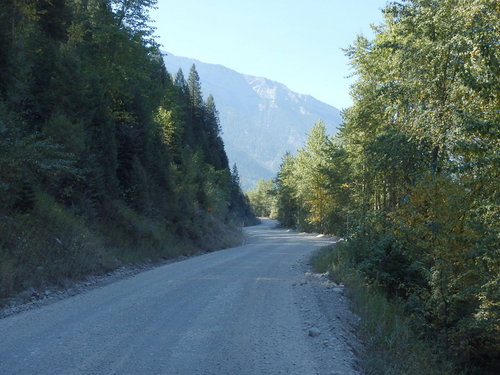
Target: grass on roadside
{"type": "Point", "coordinates": [391, 347]}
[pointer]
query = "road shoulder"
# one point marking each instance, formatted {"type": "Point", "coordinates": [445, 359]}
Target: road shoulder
{"type": "Point", "coordinates": [328, 321]}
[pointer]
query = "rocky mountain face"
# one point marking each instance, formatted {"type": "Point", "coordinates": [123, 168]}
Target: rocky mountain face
{"type": "Point", "coordinates": [261, 119]}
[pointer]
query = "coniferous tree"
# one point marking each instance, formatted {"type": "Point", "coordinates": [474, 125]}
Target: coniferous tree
{"type": "Point", "coordinates": [180, 81]}
{"type": "Point", "coordinates": [217, 155]}
{"type": "Point", "coordinates": [100, 148]}
{"type": "Point", "coordinates": [195, 94]}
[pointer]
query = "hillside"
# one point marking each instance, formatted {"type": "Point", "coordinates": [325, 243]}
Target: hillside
{"type": "Point", "coordinates": [104, 160]}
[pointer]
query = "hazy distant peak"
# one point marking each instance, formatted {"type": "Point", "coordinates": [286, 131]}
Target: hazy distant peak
{"type": "Point", "coordinates": [261, 118]}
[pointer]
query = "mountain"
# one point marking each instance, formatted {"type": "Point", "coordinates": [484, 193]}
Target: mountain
{"type": "Point", "coordinates": [261, 119]}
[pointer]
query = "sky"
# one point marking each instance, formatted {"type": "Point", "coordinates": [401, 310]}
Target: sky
{"type": "Point", "coordinates": [296, 42]}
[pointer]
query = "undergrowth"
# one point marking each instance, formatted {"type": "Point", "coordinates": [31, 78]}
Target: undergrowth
{"type": "Point", "coordinates": [51, 244]}
{"type": "Point", "coordinates": [391, 346]}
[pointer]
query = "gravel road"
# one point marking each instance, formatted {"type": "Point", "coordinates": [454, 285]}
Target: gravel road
{"type": "Point", "coordinates": [253, 309]}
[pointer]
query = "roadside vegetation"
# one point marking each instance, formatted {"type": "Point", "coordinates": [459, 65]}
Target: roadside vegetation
{"type": "Point", "coordinates": [105, 157]}
{"type": "Point", "coordinates": [412, 179]}
{"type": "Point", "coordinates": [391, 345]}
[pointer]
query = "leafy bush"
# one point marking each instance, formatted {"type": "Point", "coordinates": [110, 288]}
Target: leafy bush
{"type": "Point", "coordinates": [391, 347]}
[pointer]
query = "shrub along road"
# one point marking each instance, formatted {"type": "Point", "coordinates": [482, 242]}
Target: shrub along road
{"type": "Point", "coordinates": [254, 309]}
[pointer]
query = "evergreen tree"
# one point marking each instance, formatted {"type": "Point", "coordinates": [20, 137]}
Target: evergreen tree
{"type": "Point", "coordinates": [195, 95]}
{"type": "Point", "coordinates": [215, 144]}
{"type": "Point", "coordinates": [100, 148]}
{"type": "Point", "coordinates": [181, 83]}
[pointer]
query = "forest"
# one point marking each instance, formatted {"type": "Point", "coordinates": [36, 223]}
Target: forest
{"type": "Point", "coordinates": [411, 181]}
{"type": "Point", "coordinates": [105, 157]}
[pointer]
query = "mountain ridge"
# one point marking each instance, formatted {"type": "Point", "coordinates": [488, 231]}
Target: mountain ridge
{"type": "Point", "coordinates": [261, 119]}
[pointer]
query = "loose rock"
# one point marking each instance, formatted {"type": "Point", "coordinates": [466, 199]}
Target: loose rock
{"type": "Point", "coordinates": [313, 332]}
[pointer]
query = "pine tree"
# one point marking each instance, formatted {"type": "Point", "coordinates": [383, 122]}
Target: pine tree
{"type": "Point", "coordinates": [180, 82]}
{"type": "Point", "coordinates": [195, 95]}
{"type": "Point", "coordinates": [215, 144]}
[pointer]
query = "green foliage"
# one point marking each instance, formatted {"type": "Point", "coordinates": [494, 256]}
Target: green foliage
{"type": "Point", "coordinates": [412, 181]}
{"type": "Point", "coordinates": [312, 187]}
{"type": "Point", "coordinates": [262, 199]}
{"type": "Point", "coordinates": [240, 208]}
{"type": "Point", "coordinates": [390, 344]}
{"type": "Point", "coordinates": [101, 150]}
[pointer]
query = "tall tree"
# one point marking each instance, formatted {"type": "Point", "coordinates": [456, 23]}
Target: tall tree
{"type": "Point", "coordinates": [100, 148]}
{"type": "Point", "coordinates": [195, 95]}
{"type": "Point", "coordinates": [416, 166]}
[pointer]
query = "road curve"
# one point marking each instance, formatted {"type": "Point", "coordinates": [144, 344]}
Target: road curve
{"type": "Point", "coordinates": [245, 310]}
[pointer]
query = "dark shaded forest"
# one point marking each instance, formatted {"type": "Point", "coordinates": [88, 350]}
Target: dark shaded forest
{"type": "Point", "coordinates": [105, 157]}
{"type": "Point", "coordinates": [412, 179]}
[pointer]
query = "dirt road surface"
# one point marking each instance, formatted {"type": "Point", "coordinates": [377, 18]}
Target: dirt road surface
{"type": "Point", "coordinates": [253, 309]}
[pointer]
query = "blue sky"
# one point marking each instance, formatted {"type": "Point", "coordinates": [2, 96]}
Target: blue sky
{"type": "Point", "coordinates": [296, 42]}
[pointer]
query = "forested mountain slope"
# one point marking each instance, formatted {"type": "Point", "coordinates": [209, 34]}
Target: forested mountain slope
{"type": "Point", "coordinates": [261, 119]}
{"type": "Point", "coordinates": [104, 158]}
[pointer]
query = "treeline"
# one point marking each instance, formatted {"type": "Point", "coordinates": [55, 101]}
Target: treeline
{"type": "Point", "coordinates": [412, 180]}
{"type": "Point", "coordinates": [104, 156]}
